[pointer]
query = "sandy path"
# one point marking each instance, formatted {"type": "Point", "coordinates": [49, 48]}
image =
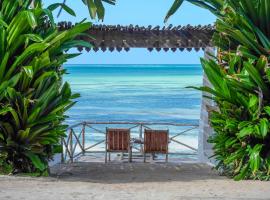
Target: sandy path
{"type": "Point", "coordinates": [132, 181]}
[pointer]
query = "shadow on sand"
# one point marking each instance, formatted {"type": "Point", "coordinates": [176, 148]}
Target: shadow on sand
{"type": "Point", "coordinates": [112, 173]}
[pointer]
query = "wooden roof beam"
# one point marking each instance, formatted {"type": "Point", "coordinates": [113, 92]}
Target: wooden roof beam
{"type": "Point", "coordinates": [117, 37]}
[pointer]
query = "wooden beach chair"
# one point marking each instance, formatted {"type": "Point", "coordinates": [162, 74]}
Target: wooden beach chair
{"type": "Point", "coordinates": [156, 141]}
{"type": "Point", "coordinates": [117, 140]}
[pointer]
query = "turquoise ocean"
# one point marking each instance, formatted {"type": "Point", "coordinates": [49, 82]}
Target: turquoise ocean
{"type": "Point", "coordinates": [136, 93]}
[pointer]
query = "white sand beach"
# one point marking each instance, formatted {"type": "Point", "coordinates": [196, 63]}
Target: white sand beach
{"type": "Point", "coordinates": [136, 181]}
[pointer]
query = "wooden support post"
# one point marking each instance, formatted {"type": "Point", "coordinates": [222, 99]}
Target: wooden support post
{"type": "Point", "coordinates": [144, 157]}
{"type": "Point", "coordinates": [71, 145]}
{"type": "Point", "coordinates": [167, 153]}
{"type": "Point", "coordinates": [83, 138]}
{"type": "Point", "coordinates": [106, 145]}
{"type": "Point", "coordinates": [141, 137]}
{"type": "Point", "coordinates": [62, 153]}
{"type": "Point", "coordinates": [130, 154]}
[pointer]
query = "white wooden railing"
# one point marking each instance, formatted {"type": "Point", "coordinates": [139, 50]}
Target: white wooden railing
{"type": "Point", "coordinates": [79, 139]}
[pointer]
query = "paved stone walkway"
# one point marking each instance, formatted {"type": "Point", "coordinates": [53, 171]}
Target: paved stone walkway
{"type": "Point", "coordinates": [98, 181]}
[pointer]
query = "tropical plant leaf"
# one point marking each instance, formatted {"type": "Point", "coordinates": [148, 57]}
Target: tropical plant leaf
{"type": "Point", "coordinates": [54, 6]}
{"type": "Point", "coordinates": [28, 71]}
{"type": "Point", "coordinates": [264, 127]}
{"type": "Point", "coordinates": [32, 99]}
{"type": "Point", "coordinates": [176, 5]}
{"type": "Point", "coordinates": [36, 161]}
{"type": "Point", "coordinates": [255, 159]}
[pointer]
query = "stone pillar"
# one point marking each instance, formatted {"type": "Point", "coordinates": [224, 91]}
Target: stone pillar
{"type": "Point", "coordinates": [205, 130]}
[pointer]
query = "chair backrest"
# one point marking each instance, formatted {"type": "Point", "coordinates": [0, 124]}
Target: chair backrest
{"type": "Point", "coordinates": [118, 139]}
{"type": "Point", "coordinates": [156, 141]}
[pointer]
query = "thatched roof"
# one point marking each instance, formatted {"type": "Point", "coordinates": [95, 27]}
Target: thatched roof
{"type": "Point", "coordinates": [107, 37]}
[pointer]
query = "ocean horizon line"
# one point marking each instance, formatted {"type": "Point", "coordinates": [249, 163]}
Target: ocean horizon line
{"type": "Point", "coordinates": [138, 65]}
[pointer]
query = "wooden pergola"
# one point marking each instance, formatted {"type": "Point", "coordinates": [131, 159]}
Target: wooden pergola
{"type": "Point", "coordinates": [116, 37]}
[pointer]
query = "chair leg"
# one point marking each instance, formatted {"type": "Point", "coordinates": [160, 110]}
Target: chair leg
{"type": "Point", "coordinates": [106, 146]}
{"type": "Point", "coordinates": [144, 157]}
{"type": "Point", "coordinates": [130, 155]}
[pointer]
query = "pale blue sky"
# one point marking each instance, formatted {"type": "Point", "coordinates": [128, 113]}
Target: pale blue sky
{"type": "Point", "coordinates": [142, 13]}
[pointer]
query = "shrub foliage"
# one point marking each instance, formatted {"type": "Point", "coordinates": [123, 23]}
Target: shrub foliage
{"type": "Point", "coordinates": [33, 97]}
{"type": "Point", "coordinates": [240, 76]}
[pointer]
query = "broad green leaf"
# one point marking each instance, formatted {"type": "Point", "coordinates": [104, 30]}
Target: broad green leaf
{"type": "Point", "coordinates": [34, 37]}
{"type": "Point", "coordinates": [24, 134]}
{"type": "Point", "coordinates": [68, 10]}
{"type": "Point", "coordinates": [100, 9]}
{"type": "Point", "coordinates": [75, 43]}
{"type": "Point", "coordinates": [2, 23]}
{"type": "Point", "coordinates": [254, 157]}
{"type": "Point", "coordinates": [255, 75]}
{"type": "Point", "coordinates": [242, 174]}
{"type": "Point", "coordinates": [244, 124]}
{"type": "Point", "coordinates": [2, 136]}
{"type": "Point", "coordinates": [4, 65]}
{"type": "Point", "coordinates": [28, 71]}
{"type": "Point", "coordinates": [31, 19]}
{"type": "Point", "coordinates": [176, 5]}
{"type": "Point", "coordinates": [36, 161]}
{"type": "Point", "coordinates": [267, 110]}
{"type": "Point", "coordinates": [5, 110]}
{"type": "Point", "coordinates": [54, 6]}
{"type": "Point", "coordinates": [268, 165]}
{"type": "Point", "coordinates": [57, 149]}
{"type": "Point", "coordinates": [34, 115]}
{"type": "Point", "coordinates": [253, 101]}
{"type": "Point", "coordinates": [264, 127]}
{"type": "Point", "coordinates": [63, 6]}
{"type": "Point", "coordinates": [246, 131]}
{"type": "Point", "coordinates": [92, 8]}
